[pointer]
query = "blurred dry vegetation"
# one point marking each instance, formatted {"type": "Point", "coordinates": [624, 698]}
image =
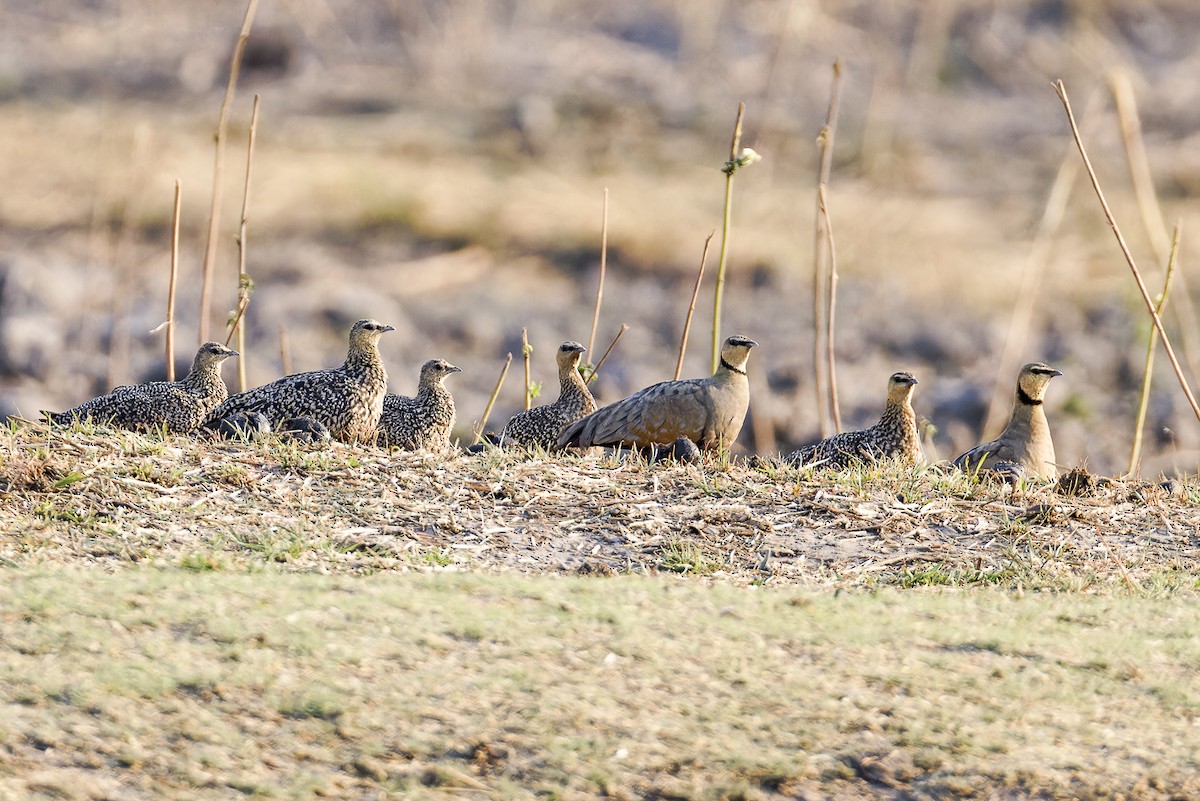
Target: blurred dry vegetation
{"type": "Point", "coordinates": [439, 166]}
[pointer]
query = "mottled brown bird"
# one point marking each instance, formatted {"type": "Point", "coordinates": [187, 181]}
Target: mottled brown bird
{"type": "Point", "coordinates": [893, 437]}
{"type": "Point", "coordinates": [1025, 441]}
{"type": "Point", "coordinates": [178, 407]}
{"type": "Point", "coordinates": [347, 399]}
{"type": "Point", "coordinates": [708, 411]}
{"type": "Point", "coordinates": [541, 425]}
{"type": "Point", "coordinates": [423, 422]}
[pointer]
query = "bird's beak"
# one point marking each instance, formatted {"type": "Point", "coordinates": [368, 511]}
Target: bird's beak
{"type": "Point", "coordinates": [913, 381]}
{"type": "Point", "coordinates": [1055, 373]}
{"type": "Point", "coordinates": [750, 343]}
{"type": "Point", "coordinates": [453, 369]}
{"type": "Point", "coordinates": [233, 352]}
{"type": "Point", "coordinates": [387, 328]}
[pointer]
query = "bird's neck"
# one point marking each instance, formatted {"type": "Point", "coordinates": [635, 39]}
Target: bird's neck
{"type": "Point", "coordinates": [363, 360]}
{"type": "Point", "coordinates": [570, 382]}
{"type": "Point", "coordinates": [432, 391]}
{"type": "Point", "coordinates": [203, 376]}
{"type": "Point", "coordinates": [727, 365]}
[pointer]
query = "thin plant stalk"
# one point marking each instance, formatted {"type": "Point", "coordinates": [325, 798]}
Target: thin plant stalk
{"type": "Point", "coordinates": [525, 351]}
{"type": "Point", "coordinates": [244, 284]}
{"type": "Point", "coordinates": [1021, 321]}
{"type": "Point", "coordinates": [1152, 217]}
{"type": "Point", "coordinates": [1135, 453]}
{"type": "Point", "coordinates": [285, 351]}
{"type": "Point", "coordinates": [687, 322]}
{"type": "Point", "coordinates": [214, 214]}
{"type": "Point", "coordinates": [821, 250]}
{"type": "Point", "coordinates": [726, 224]}
{"type": "Point", "coordinates": [487, 411]}
{"type": "Point", "coordinates": [1061, 89]}
{"type": "Point", "coordinates": [831, 314]}
{"type": "Point", "coordinates": [174, 278]}
{"type": "Point", "coordinates": [611, 345]}
{"type": "Point", "coordinates": [603, 267]}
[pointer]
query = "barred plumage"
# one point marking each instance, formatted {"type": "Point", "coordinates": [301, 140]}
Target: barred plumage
{"type": "Point", "coordinates": [176, 406]}
{"type": "Point", "coordinates": [1025, 441]}
{"type": "Point", "coordinates": [893, 437]}
{"type": "Point", "coordinates": [347, 399]}
{"type": "Point", "coordinates": [708, 411]}
{"type": "Point", "coordinates": [541, 425]}
{"type": "Point", "coordinates": [422, 422]}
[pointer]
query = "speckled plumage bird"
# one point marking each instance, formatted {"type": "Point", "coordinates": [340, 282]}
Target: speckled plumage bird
{"type": "Point", "coordinates": [424, 421]}
{"type": "Point", "coordinates": [708, 411]}
{"type": "Point", "coordinates": [178, 407]}
{"type": "Point", "coordinates": [1026, 440]}
{"type": "Point", "coordinates": [893, 437]}
{"type": "Point", "coordinates": [541, 425]}
{"type": "Point", "coordinates": [348, 399]}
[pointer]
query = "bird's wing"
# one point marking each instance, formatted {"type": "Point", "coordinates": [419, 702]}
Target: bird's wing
{"type": "Point", "coordinates": [983, 457]}
{"type": "Point", "coordinates": [660, 413]}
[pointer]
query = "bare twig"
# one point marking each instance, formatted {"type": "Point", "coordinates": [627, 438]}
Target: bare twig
{"type": "Point", "coordinates": [611, 345]}
{"type": "Point", "coordinates": [285, 351]}
{"type": "Point", "coordinates": [1183, 309]}
{"type": "Point", "coordinates": [830, 317]}
{"type": "Point", "coordinates": [820, 249]}
{"type": "Point", "coordinates": [731, 167]}
{"type": "Point", "coordinates": [603, 266]}
{"type": "Point", "coordinates": [174, 277]}
{"type": "Point", "coordinates": [1061, 89]}
{"type": "Point", "coordinates": [687, 322]}
{"type": "Point", "coordinates": [525, 351]}
{"type": "Point", "coordinates": [214, 215]}
{"type": "Point", "coordinates": [1135, 453]}
{"type": "Point", "coordinates": [245, 285]}
{"type": "Point", "coordinates": [487, 411]}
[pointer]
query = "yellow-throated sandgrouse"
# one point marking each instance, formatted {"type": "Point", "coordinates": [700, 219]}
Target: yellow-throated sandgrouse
{"type": "Point", "coordinates": [179, 407]}
{"type": "Point", "coordinates": [893, 437]}
{"type": "Point", "coordinates": [1025, 441]}
{"type": "Point", "coordinates": [541, 425]}
{"type": "Point", "coordinates": [708, 411]}
{"type": "Point", "coordinates": [422, 422]}
{"type": "Point", "coordinates": [347, 399]}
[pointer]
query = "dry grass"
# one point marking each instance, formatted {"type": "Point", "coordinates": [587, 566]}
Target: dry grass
{"type": "Point", "coordinates": [121, 499]}
{"type": "Point", "coordinates": [169, 685]}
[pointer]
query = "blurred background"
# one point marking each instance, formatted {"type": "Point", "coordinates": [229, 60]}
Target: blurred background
{"type": "Point", "coordinates": [440, 166]}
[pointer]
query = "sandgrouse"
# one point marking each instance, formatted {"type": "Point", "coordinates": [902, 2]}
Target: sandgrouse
{"type": "Point", "coordinates": [178, 407]}
{"type": "Point", "coordinates": [893, 437]}
{"type": "Point", "coordinates": [423, 422]}
{"type": "Point", "coordinates": [347, 399]}
{"type": "Point", "coordinates": [541, 425]}
{"type": "Point", "coordinates": [708, 411]}
{"type": "Point", "coordinates": [1025, 443]}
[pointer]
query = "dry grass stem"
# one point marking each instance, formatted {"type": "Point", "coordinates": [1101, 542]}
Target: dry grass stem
{"type": "Point", "coordinates": [244, 284]}
{"type": "Point", "coordinates": [687, 321]}
{"type": "Point", "coordinates": [821, 251]}
{"type": "Point", "coordinates": [525, 352]}
{"type": "Point", "coordinates": [214, 214]}
{"type": "Point", "coordinates": [1150, 210]}
{"type": "Point", "coordinates": [1021, 322]}
{"type": "Point", "coordinates": [831, 314]}
{"type": "Point", "coordinates": [176, 207]}
{"type": "Point", "coordinates": [285, 351]}
{"type": "Point", "coordinates": [611, 345]}
{"type": "Point", "coordinates": [603, 268]}
{"type": "Point", "coordinates": [727, 220]}
{"type": "Point", "coordinates": [1139, 426]}
{"type": "Point", "coordinates": [1061, 89]}
{"type": "Point", "coordinates": [487, 410]}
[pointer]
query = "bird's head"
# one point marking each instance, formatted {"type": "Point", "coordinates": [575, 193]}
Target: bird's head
{"type": "Point", "coordinates": [736, 351]}
{"type": "Point", "coordinates": [214, 353]}
{"type": "Point", "coordinates": [569, 354]}
{"type": "Point", "coordinates": [1032, 382]}
{"type": "Point", "coordinates": [900, 387]}
{"type": "Point", "coordinates": [435, 370]}
{"type": "Point", "coordinates": [366, 333]}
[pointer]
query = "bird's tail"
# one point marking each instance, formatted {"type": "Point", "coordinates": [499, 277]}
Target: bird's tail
{"type": "Point", "coordinates": [573, 435]}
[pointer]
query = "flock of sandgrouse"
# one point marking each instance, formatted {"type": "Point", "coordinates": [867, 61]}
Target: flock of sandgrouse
{"type": "Point", "coordinates": [350, 403]}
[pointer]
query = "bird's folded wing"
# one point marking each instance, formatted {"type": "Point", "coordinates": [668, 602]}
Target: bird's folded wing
{"type": "Point", "coordinates": [983, 456]}
{"type": "Point", "coordinates": [658, 414]}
